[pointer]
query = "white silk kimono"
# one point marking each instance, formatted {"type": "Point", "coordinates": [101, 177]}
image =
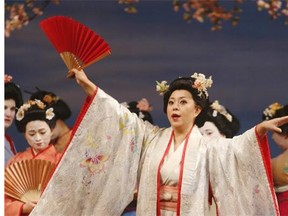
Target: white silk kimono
{"type": "Point", "coordinates": [97, 174]}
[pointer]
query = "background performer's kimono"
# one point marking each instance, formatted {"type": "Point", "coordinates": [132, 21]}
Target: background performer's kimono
{"type": "Point", "coordinates": [10, 149]}
{"type": "Point", "coordinates": [14, 207]}
{"type": "Point", "coordinates": [98, 172]}
{"type": "Point", "coordinates": [280, 175]}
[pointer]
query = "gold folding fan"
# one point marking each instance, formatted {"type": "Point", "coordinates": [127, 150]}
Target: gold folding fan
{"type": "Point", "coordinates": [26, 180]}
{"type": "Point", "coordinates": [77, 45]}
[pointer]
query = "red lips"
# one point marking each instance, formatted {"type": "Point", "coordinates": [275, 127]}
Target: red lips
{"type": "Point", "coordinates": [175, 117]}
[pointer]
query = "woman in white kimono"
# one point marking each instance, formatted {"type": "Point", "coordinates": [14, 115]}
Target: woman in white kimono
{"type": "Point", "coordinates": [110, 145]}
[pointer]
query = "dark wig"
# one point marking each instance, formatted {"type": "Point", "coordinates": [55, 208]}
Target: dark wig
{"type": "Point", "coordinates": [186, 83]}
{"type": "Point", "coordinates": [225, 126]}
{"type": "Point", "coordinates": [32, 114]}
{"type": "Point", "coordinates": [145, 115]}
{"type": "Point", "coordinates": [283, 111]}
{"type": "Point", "coordinates": [61, 109]}
{"type": "Point", "coordinates": [12, 91]}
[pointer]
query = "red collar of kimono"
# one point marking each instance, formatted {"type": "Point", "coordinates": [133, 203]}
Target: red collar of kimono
{"type": "Point", "coordinates": [36, 154]}
{"type": "Point", "coordinates": [179, 185]}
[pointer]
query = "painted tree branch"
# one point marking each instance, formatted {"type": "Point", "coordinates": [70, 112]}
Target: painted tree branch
{"type": "Point", "coordinates": [19, 14]}
{"type": "Point", "coordinates": [215, 11]}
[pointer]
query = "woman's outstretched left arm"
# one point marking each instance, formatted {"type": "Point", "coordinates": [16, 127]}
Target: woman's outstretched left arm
{"type": "Point", "coordinates": [271, 125]}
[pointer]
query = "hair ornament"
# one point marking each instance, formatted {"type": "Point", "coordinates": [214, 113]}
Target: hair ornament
{"type": "Point", "coordinates": [270, 111]}
{"type": "Point", "coordinates": [26, 106]}
{"type": "Point", "coordinates": [144, 105]}
{"type": "Point", "coordinates": [7, 78]}
{"type": "Point", "coordinates": [49, 99]}
{"type": "Point", "coordinates": [218, 108]}
{"type": "Point", "coordinates": [49, 113]}
{"type": "Point", "coordinates": [201, 84]}
{"type": "Point", "coordinates": [162, 87]}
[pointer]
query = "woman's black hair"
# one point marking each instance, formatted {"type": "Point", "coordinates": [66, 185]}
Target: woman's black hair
{"type": "Point", "coordinates": [61, 109]}
{"type": "Point", "coordinates": [12, 91]}
{"type": "Point", "coordinates": [32, 114]}
{"type": "Point", "coordinates": [227, 127]}
{"type": "Point", "coordinates": [185, 83]}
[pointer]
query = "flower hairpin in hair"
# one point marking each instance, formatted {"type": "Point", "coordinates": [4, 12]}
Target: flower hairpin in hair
{"type": "Point", "coordinates": [270, 111]}
{"type": "Point", "coordinates": [49, 113]}
{"type": "Point", "coordinates": [162, 87]}
{"type": "Point", "coordinates": [7, 78]}
{"type": "Point", "coordinates": [144, 105]}
{"type": "Point", "coordinates": [202, 84]}
{"type": "Point", "coordinates": [26, 106]}
{"type": "Point", "coordinates": [218, 108]}
{"type": "Point", "coordinates": [49, 99]}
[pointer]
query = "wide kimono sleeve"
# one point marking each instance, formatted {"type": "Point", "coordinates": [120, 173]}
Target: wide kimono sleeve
{"type": "Point", "coordinates": [241, 176]}
{"type": "Point", "coordinates": [98, 172]}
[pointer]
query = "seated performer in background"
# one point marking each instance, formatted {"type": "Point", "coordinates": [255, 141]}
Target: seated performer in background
{"type": "Point", "coordinates": [36, 121]}
{"type": "Point", "coordinates": [61, 132]}
{"type": "Point", "coordinates": [280, 163]}
{"type": "Point", "coordinates": [220, 122]}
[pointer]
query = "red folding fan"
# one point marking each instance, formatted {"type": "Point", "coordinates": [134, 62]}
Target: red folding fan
{"type": "Point", "coordinates": [77, 45]}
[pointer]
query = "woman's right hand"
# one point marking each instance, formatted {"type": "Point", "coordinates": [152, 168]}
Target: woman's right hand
{"type": "Point", "coordinates": [81, 78]}
{"type": "Point", "coordinates": [28, 207]}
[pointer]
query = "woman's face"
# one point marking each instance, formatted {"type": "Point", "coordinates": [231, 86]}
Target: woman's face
{"type": "Point", "coordinates": [9, 112]}
{"type": "Point", "coordinates": [182, 110]}
{"type": "Point", "coordinates": [209, 129]}
{"type": "Point", "coordinates": [38, 135]}
{"type": "Point", "coordinates": [280, 140]}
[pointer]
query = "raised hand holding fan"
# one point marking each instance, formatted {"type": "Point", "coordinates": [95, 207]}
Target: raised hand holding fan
{"type": "Point", "coordinates": [77, 45]}
{"type": "Point", "coordinates": [26, 180]}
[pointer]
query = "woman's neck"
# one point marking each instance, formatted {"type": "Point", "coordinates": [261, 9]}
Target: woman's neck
{"type": "Point", "coordinates": [179, 135]}
{"type": "Point", "coordinates": [61, 128]}
{"type": "Point", "coordinates": [64, 133]}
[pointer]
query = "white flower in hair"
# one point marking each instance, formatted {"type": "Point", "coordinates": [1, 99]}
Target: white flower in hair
{"type": "Point", "coordinates": [21, 111]}
{"type": "Point", "coordinates": [162, 87]}
{"type": "Point", "coordinates": [25, 106]}
{"type": "Point", "coordinates": [218, 108]}
{"type": "Point", "coordinates": [49, 113]}
{"type": "Point", "coordinates": [40, 104]}
{"type": "Point", "coordinates": [20, 114]}
{"type": "Point", "coordinates": [201, 83]}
